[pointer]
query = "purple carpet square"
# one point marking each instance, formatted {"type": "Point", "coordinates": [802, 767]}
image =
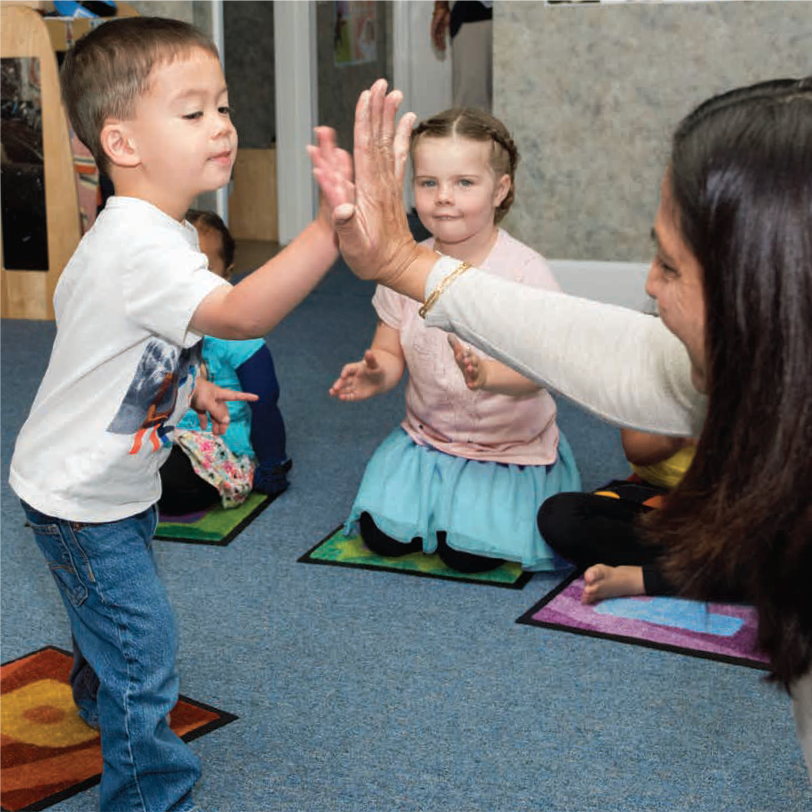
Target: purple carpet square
{"type": "Point", "coordinates": [716, 631]}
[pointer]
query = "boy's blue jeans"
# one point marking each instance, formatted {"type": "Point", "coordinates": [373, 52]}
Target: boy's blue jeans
{"type": "Point", "coordinates": [125, 634]}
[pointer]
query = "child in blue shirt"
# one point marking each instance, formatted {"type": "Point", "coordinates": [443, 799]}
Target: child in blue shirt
{"type": "Point", "coordinates": [203, 469]}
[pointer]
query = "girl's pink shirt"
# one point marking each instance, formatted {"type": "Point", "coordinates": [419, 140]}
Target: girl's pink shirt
{"type": "Point", "coordinates": [440, 409]}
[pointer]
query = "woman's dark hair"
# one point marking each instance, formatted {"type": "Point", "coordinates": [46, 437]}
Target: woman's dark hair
{"type": "Point", "coordinates": [741, 180]}
{"type": "Point", "coordinates": [476, 125]}
{"type": "Point", "coordinates": [211, 221]}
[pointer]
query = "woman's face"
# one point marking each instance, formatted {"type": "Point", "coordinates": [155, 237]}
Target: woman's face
{"type": "Point", "coordinates": [675, 281]}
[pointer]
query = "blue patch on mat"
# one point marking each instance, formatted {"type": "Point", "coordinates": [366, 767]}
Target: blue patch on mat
{"type": "Point", "coordinates": [674, 612]}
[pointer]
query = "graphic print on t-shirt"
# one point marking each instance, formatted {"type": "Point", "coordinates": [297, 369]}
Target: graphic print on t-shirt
{"type": "Point", "coordinates": [153, 393]}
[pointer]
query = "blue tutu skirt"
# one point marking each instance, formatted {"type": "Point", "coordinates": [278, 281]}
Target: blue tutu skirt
{"type": "Point", "coordinates": [485, 508]}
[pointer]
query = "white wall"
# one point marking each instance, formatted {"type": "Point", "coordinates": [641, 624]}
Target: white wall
{"type": "Point", "coordinates": [620, 283]}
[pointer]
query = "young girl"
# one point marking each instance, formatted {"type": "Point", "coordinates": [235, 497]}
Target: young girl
{"type": "Point", "coordinates": [203, 469]}
{"type": "Point", "coordinates": [467, 468]}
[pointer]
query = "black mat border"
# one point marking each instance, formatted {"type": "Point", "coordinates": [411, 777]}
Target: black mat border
{"type": "Point", "coordinates": [232, 534]}
{"type": "Point", "coordinates": [527, 619]}
{"type": "Point", "coordinates": [519, 583]}
{"type": "Point", "coordinates": [225, 719]}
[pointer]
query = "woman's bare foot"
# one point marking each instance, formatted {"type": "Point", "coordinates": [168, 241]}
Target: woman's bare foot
{"type": "Point", "coordinates": [602, 581]}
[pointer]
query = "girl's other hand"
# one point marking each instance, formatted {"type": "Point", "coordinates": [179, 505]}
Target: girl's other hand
{"type": "Point", "coordinates": [359, 380]}
{"type": "Point", "coordinates": [469, 363]}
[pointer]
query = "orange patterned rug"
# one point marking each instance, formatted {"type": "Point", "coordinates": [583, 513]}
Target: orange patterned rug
{"type": "Point", "coordinates": [47, 753]}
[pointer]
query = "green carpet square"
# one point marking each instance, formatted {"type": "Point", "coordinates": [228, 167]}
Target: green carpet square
{"type": "Point", "coordinates": [217, 525]}
{"type": "Point", "coordinates": [349, 551]}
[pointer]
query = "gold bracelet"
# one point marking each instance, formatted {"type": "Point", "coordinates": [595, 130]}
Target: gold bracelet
{"type": "Point", "coordinates": [444, 283]}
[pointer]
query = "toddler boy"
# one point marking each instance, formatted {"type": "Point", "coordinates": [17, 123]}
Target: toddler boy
{"type": "Point", "coordinates": [148, 98]}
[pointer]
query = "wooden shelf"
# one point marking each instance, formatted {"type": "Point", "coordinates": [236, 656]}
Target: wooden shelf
{"type": "Point", "coordinates": [25, 33]}
{"type": "Point", "coordinates": [252, 211]}
{"type": "Point", "coordinates": [64, 31]}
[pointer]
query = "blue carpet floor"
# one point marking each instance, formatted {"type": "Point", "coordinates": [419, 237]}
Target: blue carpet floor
{"type": "Point", "coordinates": [363, 691]}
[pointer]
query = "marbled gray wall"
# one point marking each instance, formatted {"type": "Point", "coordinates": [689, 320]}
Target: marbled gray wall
{"type": "Point", "coordinates": [593, 93]}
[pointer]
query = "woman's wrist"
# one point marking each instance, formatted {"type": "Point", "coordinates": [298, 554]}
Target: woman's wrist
{"type": "Point", "coordinates": [407, 272]}
{"type": "Point", "coordinates": [447, 279]}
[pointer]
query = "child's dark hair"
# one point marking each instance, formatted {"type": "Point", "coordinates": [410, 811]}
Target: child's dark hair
{"type": "Point", "coordinates": [477, 125]}
{"type": "Point", "coordinates": [107, 70]}
{"type": "Point", "coordinates": [212, 222]}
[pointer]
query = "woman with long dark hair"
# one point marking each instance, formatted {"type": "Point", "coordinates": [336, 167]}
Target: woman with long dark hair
{"type": "Point", "coordinates": [729, 361]}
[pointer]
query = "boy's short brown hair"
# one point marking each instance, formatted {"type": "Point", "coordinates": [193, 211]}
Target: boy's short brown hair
{"type": "Point", "coordinates": [107, 70]}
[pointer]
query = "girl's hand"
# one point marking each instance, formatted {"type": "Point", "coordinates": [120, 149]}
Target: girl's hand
{"type": "Point", "coordinates": [359, 380]}
{"type": "Point", "coordinates": [473, 369]}
{"type": "Point", "coordinates": [211, 401]}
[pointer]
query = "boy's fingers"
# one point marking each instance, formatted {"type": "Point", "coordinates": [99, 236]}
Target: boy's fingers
{"type": "Point", "coordinates": [344, 162]}
{"type": "Point", "coordinates": [344, 220]}
{"type": "Point", "coordinates": [233, 394]}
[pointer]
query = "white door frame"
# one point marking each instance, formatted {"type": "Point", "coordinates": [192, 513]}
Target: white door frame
{"type": "Point", "coordinates": [297, 104]}
{"type": "Point", "coordinates": [218, 35]}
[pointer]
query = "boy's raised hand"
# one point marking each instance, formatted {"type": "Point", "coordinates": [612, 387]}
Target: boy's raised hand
{"type": "Point", "coordinates": [334, 165]}
{"type": "Point", "coordinates": [359, 380]}
{"type": "Point", "coordinates": [211, 403]}
{"type": "Point", "coordinates": [469, 363]}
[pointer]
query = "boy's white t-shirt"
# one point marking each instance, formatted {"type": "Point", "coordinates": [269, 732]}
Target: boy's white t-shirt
{"type": "Point", "coordinates": [122, 367]}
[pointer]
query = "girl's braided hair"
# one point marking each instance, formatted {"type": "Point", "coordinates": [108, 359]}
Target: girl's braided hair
{"type": "Point", "coordinates": [477, 125]}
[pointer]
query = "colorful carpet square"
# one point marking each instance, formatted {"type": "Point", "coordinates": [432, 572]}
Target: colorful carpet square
{"type": "Point", "coordinates": [216, 525]}
{"type": "Point", "coordinates": [48, 753]}
{"type": "Point", "coordinates": [716, 631]}
{"type": "Point", "coordinates": [349, 551]}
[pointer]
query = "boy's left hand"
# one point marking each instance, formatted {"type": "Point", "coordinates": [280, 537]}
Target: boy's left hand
{"type": "Point", "coordinates": [211, 402]}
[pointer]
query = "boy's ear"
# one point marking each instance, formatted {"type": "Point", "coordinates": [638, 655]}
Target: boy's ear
{"type": "Point", "coordinates": [118, 144]}
{"type": "Point", "coordinates": [502, 188]}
